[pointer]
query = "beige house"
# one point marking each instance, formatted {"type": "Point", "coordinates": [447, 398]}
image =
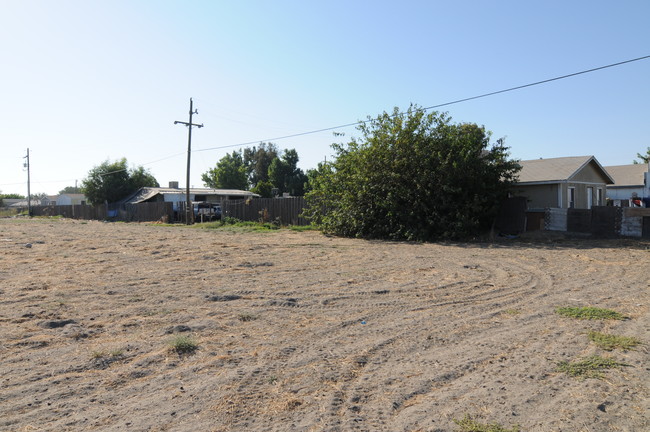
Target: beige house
{"type": "Point", "coordinates": [631, 183]}
{"type": "Point", "coordinates": [567, 182]}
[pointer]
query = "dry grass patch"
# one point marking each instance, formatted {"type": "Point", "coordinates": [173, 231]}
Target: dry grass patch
{"type": "Point", "coordinates": [609, 342]}
{"type": "Point", "coordinates": [590, 367]}
{"type": "Point", "coordinates": [589, 313]}
{"type": "Point", "coordinates": [468, 424]}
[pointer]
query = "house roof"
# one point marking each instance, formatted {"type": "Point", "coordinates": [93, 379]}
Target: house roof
{"type": "Point", "coordinates": [146, 193]}
{"type": "Point", "coordinates": [628, 175]}
{"type": "Point", "coordinates": [555, 170]}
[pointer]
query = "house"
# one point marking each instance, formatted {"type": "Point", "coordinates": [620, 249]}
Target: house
{"type": "Point", "coordinates": [176, 195]}
{"type": "Point", "coordinates": [71, 199]}
{"type": "Point", "coordinates": [566, 182]}
{"type": "Point", "coordinates": [49, 200]}
{"type": "Point", "coordinates": [631, 185]}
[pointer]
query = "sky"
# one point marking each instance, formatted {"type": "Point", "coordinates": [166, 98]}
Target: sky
{"type": "Point", "coordinates": [82, 82]}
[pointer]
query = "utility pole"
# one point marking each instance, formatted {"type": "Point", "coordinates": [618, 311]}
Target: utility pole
{"type": "Point", "coordinates": [29, 195]}
{"type": "Point", "coordinates": [189, 214]}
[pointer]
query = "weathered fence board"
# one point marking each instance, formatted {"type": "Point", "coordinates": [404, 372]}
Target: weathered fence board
{"type": "Point", "coordinates": [144, 212]}
{"type": "Point", "coordinates": [555, 219]}
{"type": "Point", "coordinates": [285, 211]}
{"type": "Point", "coordinates": [511, 218]}
{"type": "Point", "coordinates": [605, 221]}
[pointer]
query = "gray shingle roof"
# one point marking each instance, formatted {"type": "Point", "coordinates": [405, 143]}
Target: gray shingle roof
{"type": "Point", "coordinates": [554, 169]}
{"type": "Point", "coordinates": [628, 175]}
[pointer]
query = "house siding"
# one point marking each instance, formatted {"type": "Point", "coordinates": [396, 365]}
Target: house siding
{"type": "Point", "coordinates": [581, 200]}
{"type": "Point", "coordinates": [590, 174]}
{"type": "Point", "coordinates": [540, 196]}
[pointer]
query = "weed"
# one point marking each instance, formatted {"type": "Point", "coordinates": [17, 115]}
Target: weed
{"type": "Point", "coordinates": [301, 228]}
{"type": "Point", "coordinates": [590, 367]}
{"type": "Point", "coordinates": [183, 345]}
{"type": "Point", "coordinates": [468, 424]}
{"type": "Point", "coordinates": [273, 379]}
{"type": "Point", "coordinates": [246, 317]}
{"type": "Point", "coordinates": [512, 312]}
{"type": "Point", "coordinates": [111, 354]}
{"type": "Point", "coordinates": [609, 342]}
{"type": "Point", "coordinates": [589, 313]}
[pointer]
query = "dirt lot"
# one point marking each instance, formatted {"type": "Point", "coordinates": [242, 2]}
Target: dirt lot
{"type": "Point", "coordinates": [303, 332]}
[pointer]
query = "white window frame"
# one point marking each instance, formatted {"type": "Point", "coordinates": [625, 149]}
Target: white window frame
{"type": "Point", "coordinates": [571, 197]}
{"type": "Point", "coordinates": [590, 197]}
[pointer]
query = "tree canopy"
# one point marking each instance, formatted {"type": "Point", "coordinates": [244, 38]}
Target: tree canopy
{"type": "Point", "coordinates": [412, 176]}
{"type": "Point", "coordinates": [259, 168]}
{"type": "Point", "coordinates": [258, 160]}
{"type": "Point", "coordinates": [644, 158]}
{"type": "Point", "coordinates": [229, 173]}
{"type": "Point", "coordinates": [113, 181]}
{"type": "Point", "coordinates": [285, 175]}
{"type": "Point", "coordinates": [70, 190]}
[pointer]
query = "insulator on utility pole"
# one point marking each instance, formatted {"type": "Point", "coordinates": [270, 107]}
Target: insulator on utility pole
{"type": "Point", "coordinates": [188, 203]}
{"type": "Point", "coordinates": [29, 194]}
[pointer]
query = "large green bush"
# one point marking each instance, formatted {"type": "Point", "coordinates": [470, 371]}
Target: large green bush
{"type": "Point", "coordinates": [413, 176]}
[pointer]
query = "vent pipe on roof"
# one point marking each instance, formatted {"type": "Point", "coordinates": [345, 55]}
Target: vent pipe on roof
{"type": "Point", "coordinates": [173, 185]}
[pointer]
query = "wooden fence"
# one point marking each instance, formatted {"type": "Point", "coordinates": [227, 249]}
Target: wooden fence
{"type": "Point", "coordinates": [144, 212]}
{"type": "Point", "coordinates": [601, 221]}
{"type": "Point", "coordinates": [285, 211]}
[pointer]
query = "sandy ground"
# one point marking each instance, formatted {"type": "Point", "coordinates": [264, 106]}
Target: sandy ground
{"type": "Point", "coordinates": [303, 332]}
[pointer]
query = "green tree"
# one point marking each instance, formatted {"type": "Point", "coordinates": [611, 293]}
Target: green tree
{"type": "Point", "coordinates": [115, 181]}
{"type": "Point", "coordinates": [69, 190]}
{"type": "Point", "coordinates": [13, 196]}
{"type": "Point", "coordinates": [257, 161]}
{"type": "Point", "coordinates": [413, 176]}
{"type": "Point", "coordinates": [644, 158]}
{"type": "Point", "coordinates": [229, 173]}
{"type": "Point", "coordinates": [10, 196]}
{"type": "Point", "coordinates": [264, 189]}
{"type": "Point", "coordinates": [285, 174]}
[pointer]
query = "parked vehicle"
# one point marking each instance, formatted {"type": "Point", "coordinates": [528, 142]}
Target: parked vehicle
{"type": "Point", "coordinates": [206, 211]}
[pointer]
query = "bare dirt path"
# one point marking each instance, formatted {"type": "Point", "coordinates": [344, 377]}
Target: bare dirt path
{"type": "Point", "coordinates": [303, 332]}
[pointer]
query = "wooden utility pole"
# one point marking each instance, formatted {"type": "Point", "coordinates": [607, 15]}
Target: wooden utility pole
{"type": "Point", "coordinates": [29, 195]}
{"type": "Point", "coordinates": [189, 214]}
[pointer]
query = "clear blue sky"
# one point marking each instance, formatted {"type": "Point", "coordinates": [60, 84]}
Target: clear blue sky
{"type": "Point", "coordinates": [86, 81]}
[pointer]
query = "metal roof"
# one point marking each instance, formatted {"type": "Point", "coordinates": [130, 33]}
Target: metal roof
{"type": "Point", "coordinates": [146, 193]}
{"type": "Point", "coordinates": [628, 175]}
{"type": "Point", "coordinates": [556, 169]}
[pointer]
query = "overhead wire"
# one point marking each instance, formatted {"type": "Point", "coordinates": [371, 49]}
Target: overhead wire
{"type": "Point", "coordinates": [360, 122]}
{"type": "Point", "coordinates": [432, 106]}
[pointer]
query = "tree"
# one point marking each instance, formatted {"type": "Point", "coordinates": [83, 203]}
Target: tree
{"type": "Point", "coordinates": [229, 173]}
{"type": "Point", "coordinates": [313, 175]}
{"type": "Point", "coordinates": [264, 189]}
{"type": "Point", "coordinates": [412, 176]}
{"type": "Point", "coordinates": [257, 161]}
{"type": "Point", "coordinates": [644, 158]}
{"type": "Point", "coordinates": [69, 190]}
{"type": "Point", "coordinates": [285, 175]}
{"type": "Point", "coordinates": [114, 181]}
{"type": "Point", "coordinates": [13, 196]}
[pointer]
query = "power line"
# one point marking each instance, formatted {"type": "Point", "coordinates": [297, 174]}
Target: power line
{"type": "Point", "coordinates": [433, 106]}
{"type": "Point", "coordinates": [366, 121]}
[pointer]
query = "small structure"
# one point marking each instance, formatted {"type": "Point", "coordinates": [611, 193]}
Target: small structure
{"type": "Point", "coordinates": [71, 199]}
{"type": "Point", "coordinates": [567, 182]}
{"type": "Point", "coordinates": [176, 195]}
{"type": "Point", "coordinates": [631, 186]}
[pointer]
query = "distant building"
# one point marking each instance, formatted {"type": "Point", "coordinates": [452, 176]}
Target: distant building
{"type": "Point", "coordinates": [566, 182]}
{"type": "Point", "coordinates": [174, 194]}
{"type": "Point", "coordinates": [631, 185]}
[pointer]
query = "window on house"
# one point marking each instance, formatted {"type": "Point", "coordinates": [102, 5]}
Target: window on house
{"type": "Point", "coordinates": [599, 196]}
{"type": "Point", "coordinates": [571, 197]}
